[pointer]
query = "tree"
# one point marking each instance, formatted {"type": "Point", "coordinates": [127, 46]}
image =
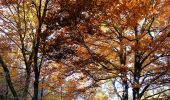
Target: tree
{"type": "Point", "coordinates": [8, 78]}
{"type": "Point", "coordinates": [112, 37]}
{"type": "Point", "coordinates": [25, 31]}
{"type": "Point", "coordinates": [98, 40]}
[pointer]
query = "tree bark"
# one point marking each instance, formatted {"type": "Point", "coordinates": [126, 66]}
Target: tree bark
{"type": "Point", "coordinates": [125, 93]}
{"type": "Point", "coordinates": [135, 93]}
{"type": "Point", "coordinates": [136, 78]}
{"type": "Point", "coordinates": [36, 89]}
{"type": "Point", "coordinates": [37, 67]}
{"type": "Point", "coordinates": [8, 78]}
{"type": "Point", "coordinates": [26, 87]}
{"type": "Point", "coordinates": [122, 57]}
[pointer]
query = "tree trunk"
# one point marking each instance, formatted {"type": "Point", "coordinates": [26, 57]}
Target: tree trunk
{"type": "Point", "coordinates": [26, 87]}
{"type": "Point", "coordinates": [122, 57]}
{"type": "Point", "coordinates": [36, 84]}
{"type": "Point", "coordinates": [37, 67]}
{"type": "Point", "coordinates": [125, 93]}
{"type": "Point", "coordinates": [35, 97]}
{"type": "Point", "coordinates": [135, 93]}
{"type": "Point", "coordinates": [137, 73]}
{"type": "Point", "coordinates": [8, 79]}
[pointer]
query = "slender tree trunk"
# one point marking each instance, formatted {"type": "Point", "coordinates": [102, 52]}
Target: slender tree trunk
{"type": "Point", "coordinates": [36, 89]}
{"type": "Point", "coordinates": [28, 74]}
{"type": "Point", "coordinates": [137, 73]}
{"type": "Point", "coordinates": [36, 73]}
{"type": "Point", "coordinates": [125, 93]}
{"type": "Point", "coordinates": [135, 93]}
{"type": "Point", "coordinates": [8, 78]}
{"type": "Point", "coordinates": [136, 86]}
{"type": "Point", "coordinates": [26, 87]}
{"type": "Point", "coordinates": [122, 56]}
{"type": "Point", "coordinates": [37, 67]}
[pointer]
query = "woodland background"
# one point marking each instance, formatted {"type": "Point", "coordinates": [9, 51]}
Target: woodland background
{"type": "Point", "coordinates": [85, 49]}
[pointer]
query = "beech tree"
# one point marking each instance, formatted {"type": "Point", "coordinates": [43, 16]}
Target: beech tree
{"type": "Point", "coordinates": [22, 24]}
{"type": "Point", "coordinates": [127, 38]}
{"type": "Point", "coordinates": [52, 41]}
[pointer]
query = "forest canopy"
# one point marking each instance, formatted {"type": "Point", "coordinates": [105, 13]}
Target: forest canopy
{"type": "Point", "coordinates": [85, 49]}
